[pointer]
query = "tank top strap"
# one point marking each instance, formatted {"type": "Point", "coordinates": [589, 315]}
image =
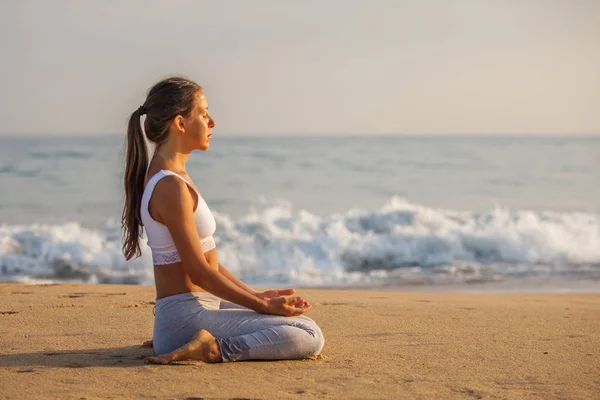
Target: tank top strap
{"type": "Point", "coordinates": [147, 194]}
{"type": "Point", "coordinates": [167, 172]}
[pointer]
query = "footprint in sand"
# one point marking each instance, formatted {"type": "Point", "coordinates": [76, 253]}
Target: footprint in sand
{"type": "Point", "coordinates": [468, 391]}
{"type": "Point", "coordinates": [310, 393]}
{"type": "Point", "coordinates": [76, 365]}
{"type": "Point", "coordinates": [84, 294]}
{"type": "Point", "coordinates": [140, 304]}
{"type": "Point", "coordinates": [8, 312]}
{"type": "Point", "coordinates": [64, 306]}
{"type": "Point", "coordinates": [379, 334]}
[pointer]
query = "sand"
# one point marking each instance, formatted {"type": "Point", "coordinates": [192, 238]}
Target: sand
{"type": "Point", "coordinates": [83, 341]}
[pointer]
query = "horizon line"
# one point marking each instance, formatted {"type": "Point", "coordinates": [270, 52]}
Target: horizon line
{"type": "Point", "coordinates": [338, 134]}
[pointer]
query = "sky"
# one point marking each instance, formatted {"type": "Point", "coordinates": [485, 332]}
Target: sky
{"type": "Point", "coordinates": [306, 67]}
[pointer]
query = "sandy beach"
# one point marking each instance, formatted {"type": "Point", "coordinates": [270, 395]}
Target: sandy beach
{"type": "Point", "coordinates": [73, 341]}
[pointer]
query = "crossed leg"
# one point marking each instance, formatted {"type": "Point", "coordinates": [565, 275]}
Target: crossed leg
{"type": "Point", "coordinates": [245, 335]}
{"type": "Point", "coordinates": [224, 305]}
{"type": "Point", "coordinates": [202, 347]}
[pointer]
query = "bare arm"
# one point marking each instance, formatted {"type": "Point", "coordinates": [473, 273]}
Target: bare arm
{"type": "Point", "coordinates": [236, 281]}
{"type": "Point", "coordinates": [176, 205]}
{"type": "Point", "coordinates": [268, 294]}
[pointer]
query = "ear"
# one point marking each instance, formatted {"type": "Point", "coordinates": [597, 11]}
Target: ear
{"type": "Point", "coordinates": [177, 124]}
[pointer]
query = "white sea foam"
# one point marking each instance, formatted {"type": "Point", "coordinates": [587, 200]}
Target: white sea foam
{"type": "Point", "coordinates": [399, 243]}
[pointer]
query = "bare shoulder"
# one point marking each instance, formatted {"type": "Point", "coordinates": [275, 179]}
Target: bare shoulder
{"type": "Point", "coordinates": [172, 198]}
{"type": "Point", "coordinates": [175, 203]}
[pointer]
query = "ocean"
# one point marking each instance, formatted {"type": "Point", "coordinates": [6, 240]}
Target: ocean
{"type": "Point", "coordinates": [394, 212]}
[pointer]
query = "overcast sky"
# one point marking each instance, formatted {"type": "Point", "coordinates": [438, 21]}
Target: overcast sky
{"type": "Point", "coordinates": [314, 67]}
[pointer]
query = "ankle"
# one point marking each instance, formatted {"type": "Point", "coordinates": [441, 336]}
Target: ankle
{"type": "Point", "coordinates": [214, 353]}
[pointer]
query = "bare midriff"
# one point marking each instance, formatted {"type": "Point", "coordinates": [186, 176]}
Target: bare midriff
{"type": "Point", "coordinates": [171, 279]}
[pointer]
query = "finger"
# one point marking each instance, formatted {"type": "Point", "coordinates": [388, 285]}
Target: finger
{"type": "Point", "coordinates": [301, 308]}
{"type": "Point", "coordinates": [298, 311]}
{"type": "Point", "coordinates": [286, 292]}
{"type": "Point", "coordinates": [302, 304]}
{"type": "Point", "coordinates": [290, 311]}
{"type": "Point", "coordinates": [295, 309]}
{"type": "Point", "coordinates": [307, 309]}
{"type": "Point", "coordinates": [296, 301]}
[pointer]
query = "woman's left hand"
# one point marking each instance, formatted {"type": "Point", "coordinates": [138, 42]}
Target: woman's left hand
{"type": "Point", "coordinates": [271, 293]}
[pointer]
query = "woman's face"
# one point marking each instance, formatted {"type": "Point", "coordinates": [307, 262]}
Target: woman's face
{"type": "Point", "coordinates": [199, 124]}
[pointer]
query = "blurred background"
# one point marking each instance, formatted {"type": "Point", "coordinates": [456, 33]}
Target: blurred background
{"type": "Point", "coordinates": [411, 145]}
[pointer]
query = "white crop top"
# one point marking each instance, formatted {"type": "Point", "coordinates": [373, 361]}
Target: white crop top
{"type": "Point", "coordinates": [159, 238]}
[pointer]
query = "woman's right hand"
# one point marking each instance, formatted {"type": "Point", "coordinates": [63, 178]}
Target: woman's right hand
{"type": "Point", "coordinates": [290, 306]}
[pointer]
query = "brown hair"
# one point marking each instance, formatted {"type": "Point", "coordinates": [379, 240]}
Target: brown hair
{"type": "Point", "coordinates": [167, 99]}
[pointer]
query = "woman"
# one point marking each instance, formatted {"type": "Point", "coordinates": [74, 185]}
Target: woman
{"type": "Point", "coordinates": [191, 321]}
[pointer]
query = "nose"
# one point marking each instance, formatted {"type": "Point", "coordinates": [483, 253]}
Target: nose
{"type": "Point", "coordinates": [211, 122]}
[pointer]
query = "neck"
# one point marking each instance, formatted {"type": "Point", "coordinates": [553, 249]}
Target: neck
{"type": "Point", "coordinates": [172, 156]}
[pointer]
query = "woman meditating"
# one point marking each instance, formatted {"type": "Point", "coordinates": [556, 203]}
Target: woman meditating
{"type": "Point", "coordinates": [192, 320]}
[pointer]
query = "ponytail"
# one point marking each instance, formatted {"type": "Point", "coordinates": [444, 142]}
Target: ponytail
{"type": "Point", "coordinates": [167, 99]}
{"type": "Point", "coordinates": [136, 163]}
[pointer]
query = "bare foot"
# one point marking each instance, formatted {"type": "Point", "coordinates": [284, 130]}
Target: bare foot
{"type": "Point", "coordinates": [148, 343]}
{"type": "Point", "coordinates": [202, 347]}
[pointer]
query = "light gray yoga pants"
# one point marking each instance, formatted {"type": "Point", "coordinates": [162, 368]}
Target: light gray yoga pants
{"type": "Point", "coordinates": [242, 334]}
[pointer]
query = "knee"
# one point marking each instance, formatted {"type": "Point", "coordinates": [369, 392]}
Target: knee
{"type": "Point", "coordinates": [318, 340]}
{"type": "Point", "coordinates": [321, 341]}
